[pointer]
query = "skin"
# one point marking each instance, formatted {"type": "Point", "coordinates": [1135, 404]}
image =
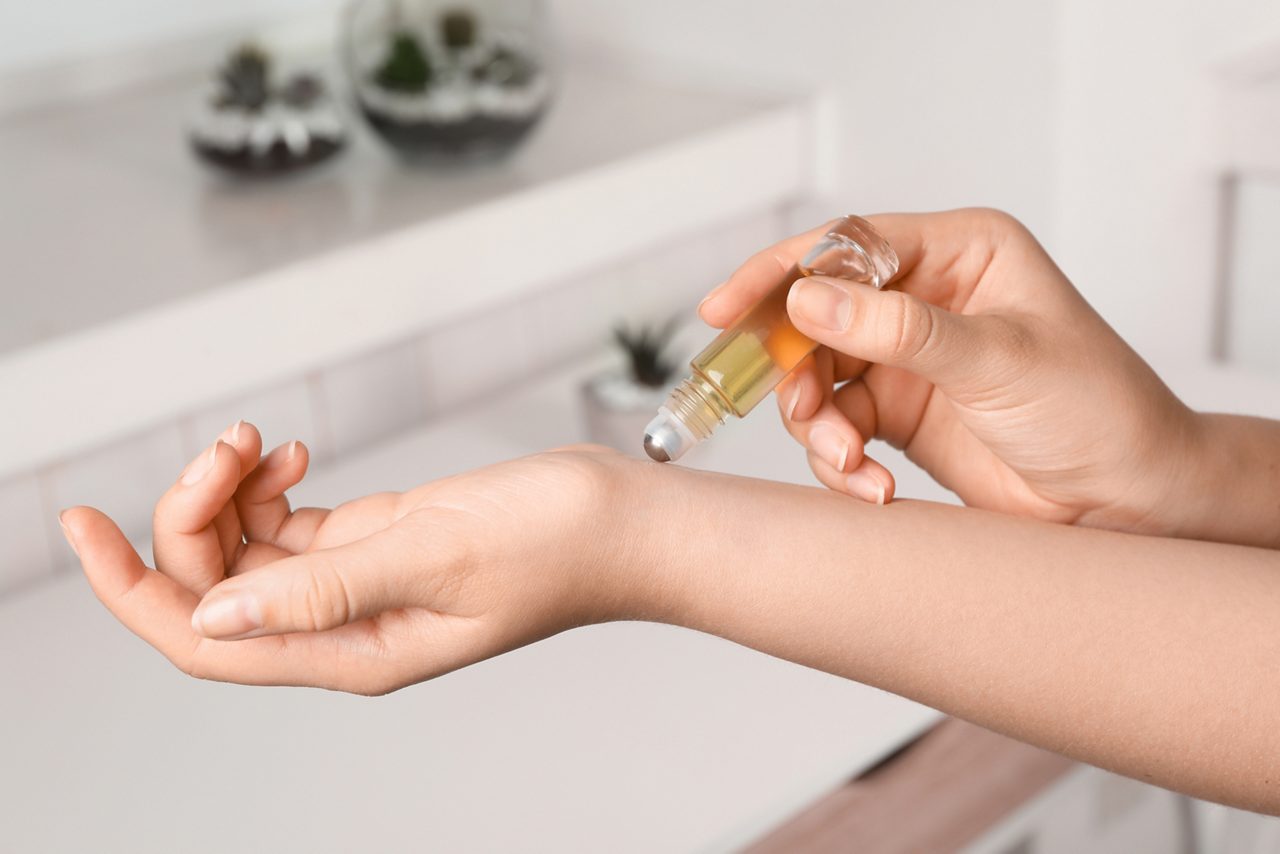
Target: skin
{"type": "Point", "coordinates": [1150, 655]}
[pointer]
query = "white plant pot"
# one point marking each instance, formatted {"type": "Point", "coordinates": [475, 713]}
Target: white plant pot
{"type": "Point", "coordinates": [616, 410]}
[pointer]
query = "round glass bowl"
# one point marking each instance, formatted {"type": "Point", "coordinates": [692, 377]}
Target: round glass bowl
{"type": "Point", "coordinates": [249, 124]}
{"type": "Point", "coordinates": [447, 82]}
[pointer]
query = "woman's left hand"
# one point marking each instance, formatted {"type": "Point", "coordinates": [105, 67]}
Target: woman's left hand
{"type": "Point", "coordinates": [378, 593]}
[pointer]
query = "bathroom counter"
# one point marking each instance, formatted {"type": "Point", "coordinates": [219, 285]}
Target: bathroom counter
{"type": "Point", "coordinates": [624, 737]}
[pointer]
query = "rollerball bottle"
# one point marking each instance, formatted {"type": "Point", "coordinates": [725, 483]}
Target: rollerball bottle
{"type": "Point", "coordinates": [747, 361]}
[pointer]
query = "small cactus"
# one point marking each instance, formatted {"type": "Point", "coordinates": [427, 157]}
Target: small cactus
{"type": "Point", "coordinates": [646, 352]}
{"type": "Point", "coordinates": [406, 68]}
{"type": "Point", "coordinates": [244, 80]}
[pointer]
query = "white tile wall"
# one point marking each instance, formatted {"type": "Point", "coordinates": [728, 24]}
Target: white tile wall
{"type": "Point", "coordinates": [671, 280]}
{"type": "Point", "coordinates": [467, 360]}
{"type": "Point", "coordinates": [123, 480]}
{"type": "Point", "coordinates": [373, 396]}
{"type": "Point", "coordinates": [282, 413]}
{"type": "Point", "coordinates": [575, 318]}
{"type": "Point", "coordinates": [345, 407]}
{"type": "Point", "coordinates": [27, 552]}
{"type": "Point", "coordinates": [739, 241]}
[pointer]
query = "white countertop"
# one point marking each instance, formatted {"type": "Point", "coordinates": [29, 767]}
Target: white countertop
{"type": "Point", "coordinates": [624, 737]}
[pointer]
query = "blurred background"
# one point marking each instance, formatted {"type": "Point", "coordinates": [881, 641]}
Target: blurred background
{"type": "Point", "coordinates": [424, 236]}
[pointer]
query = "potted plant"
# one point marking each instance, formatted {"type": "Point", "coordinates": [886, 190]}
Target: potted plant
{"type": "Point", "coordinates": [247, 124]}
{"type": "Point", "coordinates": [447, 83]}
{"type": "Point", "coordinates": [619, 403]}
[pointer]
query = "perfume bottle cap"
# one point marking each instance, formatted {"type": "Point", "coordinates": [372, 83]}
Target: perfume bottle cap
{"type": "Point", "coordinates": [667, 439]}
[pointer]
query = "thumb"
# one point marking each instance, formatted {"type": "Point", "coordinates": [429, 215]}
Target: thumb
{"type": "Point", "coordinates": [894, 328]}
{"type": "Point", "coordinates": [320, 590]}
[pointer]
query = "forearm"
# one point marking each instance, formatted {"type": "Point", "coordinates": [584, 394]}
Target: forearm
{"type": "Point", "coordinates": [1157, 658]}
{"type": "Point", "coordinates": [1231, 491]}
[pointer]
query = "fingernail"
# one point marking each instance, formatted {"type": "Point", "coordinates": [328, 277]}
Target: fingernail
{"type": "Point", "coordinates": [201, 467]}
{"type": "Point", "coordinates": [66, 532]}
{"type": "Point", "coordinates": [827, 442]}
{"type": "Point", "coordinates": [232, 434]}
{"type": "Point", "coordinates": [712, 295]}
{"type": "Point", "coordinates": [793, 400]}
{"type": "Point", "coordinates": [293, 446]}
{"type": "Point", "coordinates": [228, 616]}
{"type": "Point", "coordinates": [866, 486]}
{"type": "Point", "coordinates": [822, 303]}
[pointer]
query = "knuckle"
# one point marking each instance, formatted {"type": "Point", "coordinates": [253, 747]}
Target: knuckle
{"type": "Point", "coordinates": [997, 221]}
{"type": "Point", "coordinates": [194, 664]}
{"type": "Point", "coordinates": [909, 324]}
{"type": "Point", "coordinates": [323, 602]}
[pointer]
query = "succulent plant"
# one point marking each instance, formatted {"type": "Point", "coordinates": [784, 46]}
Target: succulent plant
{"type": "Point", "coordinates": [646, 352]}
{"type": "Point", "coordinates": [244, 80]}
{"type": "Point", "coordinates": [458, 29]}
{"type": "Point", "coordinates": [406, 68]}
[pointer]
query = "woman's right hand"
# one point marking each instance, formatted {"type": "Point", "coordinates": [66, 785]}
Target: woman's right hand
{"type": "Point", "coordinates": [988, 368]}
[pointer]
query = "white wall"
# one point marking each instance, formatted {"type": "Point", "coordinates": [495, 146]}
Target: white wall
{"type": "Point", "coordinates": [941, 104]}
{"type": "Point", "coordinates": [1139, 155]}
{"type": "Point", "coordinates": [1094, 121]}
{"type": "Point", "coordinates": [34, 33]}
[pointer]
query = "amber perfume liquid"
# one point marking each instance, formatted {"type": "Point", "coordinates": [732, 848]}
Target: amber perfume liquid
{"type": "Point", "coordinates": [747, 361]}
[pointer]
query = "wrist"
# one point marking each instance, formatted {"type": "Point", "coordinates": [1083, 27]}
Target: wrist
{"type": "Point", "coordinates": [1225, 490]}
{"type": "Point", "coordinates": [653, 512]}
{"type": "Point", "coordinates": [1239, 486]}
{"type": "Point", "coordinates": [623, 519]}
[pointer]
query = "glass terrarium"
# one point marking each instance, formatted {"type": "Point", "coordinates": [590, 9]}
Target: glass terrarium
{"type": "Point", "coordinates": [252, 121]}
{"type": "Point", "coordinates": [449, 82]}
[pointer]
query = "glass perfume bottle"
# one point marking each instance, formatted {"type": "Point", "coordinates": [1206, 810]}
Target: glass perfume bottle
{"type": "Point", "coordinates": [747, 361]}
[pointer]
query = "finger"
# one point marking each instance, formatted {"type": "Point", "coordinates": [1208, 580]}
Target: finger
{"type": "Point", "coordinates": [758, 275]}
{"type": "Point", "coordinates": [158, 610]}
{"type": "Point", "coordinates": [153, 606]}
{"type": "Point", "coordinates": [247, 441]}
{"type": "Point", "coordinates": [870, 481]}
{"type": "Point", "coordinates": [900, 330]}
{"type": "Point", "coordinates": [188, 546]}
{"type": "Point", "coordinates": [941, 258]}
{"type": "Point", "coordinates": [260, 501]}
{"type": "Point", "coordinates": [855, 401]}
{"type": "Point", "coordinates": [800, 393]}
{"type": "Point", "coordinates": [324, 589]}
{"type": "Point", "coordinates": [824, 429]}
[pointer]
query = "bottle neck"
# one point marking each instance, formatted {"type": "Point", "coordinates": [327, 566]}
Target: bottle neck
{"type": "Point", "coordinates": [698, 406]}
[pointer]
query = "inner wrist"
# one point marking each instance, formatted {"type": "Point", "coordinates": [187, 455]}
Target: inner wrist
{"type": "Point", "coordinates": [648, 555]}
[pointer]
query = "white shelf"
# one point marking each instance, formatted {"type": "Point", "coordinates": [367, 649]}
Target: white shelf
{"type": "Point", "coordinates": [133, 269]}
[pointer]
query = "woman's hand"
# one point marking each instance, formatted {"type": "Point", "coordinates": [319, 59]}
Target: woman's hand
{"type": "Point", "coordinates": [988, 368]}
{"type": "Point", "coordinates": [375, 594]}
